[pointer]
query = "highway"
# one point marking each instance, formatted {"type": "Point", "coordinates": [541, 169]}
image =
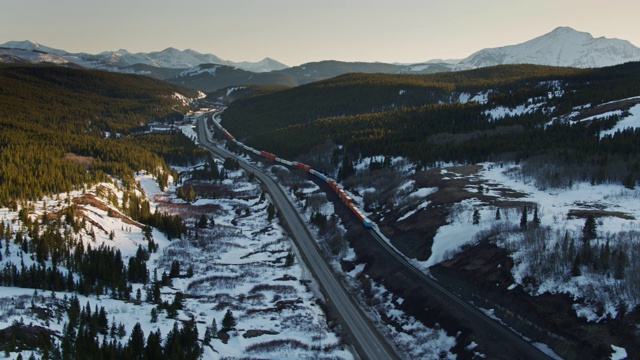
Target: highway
{"type": "Point", "coordinates": [368, 341]}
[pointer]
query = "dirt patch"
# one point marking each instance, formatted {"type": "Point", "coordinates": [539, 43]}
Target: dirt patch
{"type": "Point", "coordinates": [583, 214]}
{"type": "Point", "coordinates": [623, 105]}
{"type": "Point", "coordinates": [19, 337]}
{"type": "Point", "coordinates": [482, 274]}
{"type": "Point", "coordinates": [255, 333]}
{"type": "Point", "coordinates": [413, 235]}
{"type": "Point", "coordinates": [91, 200]}
{"type": "Point", "coordinates": [85, 161]}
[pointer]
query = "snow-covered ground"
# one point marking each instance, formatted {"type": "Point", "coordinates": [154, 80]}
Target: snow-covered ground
{"type": "Point", "coordinates": [412, 338]}
{"type": "Point", "coordinates": [630, 122]}
{"type": "Point", "coordinates": [602, 294]}
{"type": "Point", "coordinates": [238, 265]}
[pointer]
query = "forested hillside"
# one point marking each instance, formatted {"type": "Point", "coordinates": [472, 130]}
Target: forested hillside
{"type": "Point", "coordinates": [503, 112]}
{"type": "Point", "coordinates": [62, 128]}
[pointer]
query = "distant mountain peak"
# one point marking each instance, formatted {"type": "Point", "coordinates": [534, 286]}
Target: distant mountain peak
{"type": "Point", "coordinates": [169, 58]}
{"type": "Point", "coordinates": [563, 46]}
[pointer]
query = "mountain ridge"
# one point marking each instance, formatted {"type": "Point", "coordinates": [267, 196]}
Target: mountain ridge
{"type": "Point", "coordinates": [170, 57]}
{"type": "Point", "coordinates": [563, 46]}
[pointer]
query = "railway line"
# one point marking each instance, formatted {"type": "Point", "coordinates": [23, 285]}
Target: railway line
{"type": "Point", "coordinates": [483, 325]}
{"type": "Point", "coordinates": [369, 343]}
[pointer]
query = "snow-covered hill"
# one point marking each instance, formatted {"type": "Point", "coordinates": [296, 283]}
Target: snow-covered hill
{"type": "Point", "coordinates": [563, 46]}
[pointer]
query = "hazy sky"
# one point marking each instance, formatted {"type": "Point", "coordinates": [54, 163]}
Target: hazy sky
{"type": "Point", "coordinates": [299, 31]}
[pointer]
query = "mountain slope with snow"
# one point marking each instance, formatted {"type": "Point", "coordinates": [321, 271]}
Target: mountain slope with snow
{"type": "Point", "coordinates": [170, 58]}
{"type": "Point", "coordinates": [563, 46]}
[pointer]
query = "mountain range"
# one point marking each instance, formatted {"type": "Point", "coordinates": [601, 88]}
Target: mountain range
{"type": "Point", "coordinates": [563, 46]}
{"type": "Point", "coordinates": [170, 58]}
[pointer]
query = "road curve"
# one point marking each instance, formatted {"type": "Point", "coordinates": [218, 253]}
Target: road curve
{"type": "Point", "coordinates": [367, 339]}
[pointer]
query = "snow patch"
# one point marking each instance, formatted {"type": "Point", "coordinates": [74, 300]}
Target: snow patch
{"type": "Point", "coordinates": [630, 122]}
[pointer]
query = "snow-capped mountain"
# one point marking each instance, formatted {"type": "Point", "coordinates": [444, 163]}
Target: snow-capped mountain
{"type": "Point", "coordinates": [32, 46]}
{"type": "Point", "coordinates": [563, 46]}
{"type": "Point", "coordinates": [30, 57]}
{"type": "Point", "coordinates": [170, 58]}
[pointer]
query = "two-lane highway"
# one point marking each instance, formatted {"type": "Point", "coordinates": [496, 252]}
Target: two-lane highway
{"type": "Point", "coordinates": [367, 339]}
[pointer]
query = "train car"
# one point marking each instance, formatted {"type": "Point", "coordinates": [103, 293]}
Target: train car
{"type": "Point", "coordinates": [367, 223]}
{"type": "Point", "coordinates": [285, 162]}
{"type": "Point", "coordinates": [318, 174]}
{"type": "Point", "coordinates": [257, 152]}
{"type": "Point", "coordinates": [303, 167]}
{"type": "Point", "coordinates": [227, 135]}
{"type": "Point", "coordinates": [345, 197]}
{"type": "Point", "coordinates": [356, 211]}
{"type": "Point", "coordinates": [269, 156]}
{"type": "Point", "coordinates": [332, 184]}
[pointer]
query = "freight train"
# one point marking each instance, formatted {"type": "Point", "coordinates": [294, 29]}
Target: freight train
{"type": "Point", "coordinates": [335, 187]}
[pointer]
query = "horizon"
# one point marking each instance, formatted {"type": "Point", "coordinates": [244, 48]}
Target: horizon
{"type": "Point", "coordinates": [405, 31]}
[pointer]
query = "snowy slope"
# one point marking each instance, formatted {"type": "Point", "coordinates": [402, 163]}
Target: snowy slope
{"type": "Point", "coordinates": [563, 46]}
{"type": "Point", "coordinates": [29, 56]}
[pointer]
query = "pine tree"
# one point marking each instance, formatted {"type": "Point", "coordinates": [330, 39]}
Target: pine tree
{"type": "Point", "coordinates": [154, 315]}
{"type": "Point", "coordinates": [191, 194]}
{"type": "Point", "coordinates": [523, 219]}
{"type": "Point", "coordinates": [202, 223]}
{"type": "Point", "coordinates": [175, 269]}
{"type": "Point", "coordinates": [288, 262]}
{"type": "Point", "coordinates": [536, 219]}
{"type": "Point", "coordinates": [589, 231]}
{"type": "Point", "coordinates": [214, 328]}
{"type": "Point", "coordinates": [135, 346]}
{"type": "Point", "coordinates": [575, 268]}
{"type": "Point", "coordinates": [498, 216]}
{"type": "Point", "coordinates": [271, 211]}
{"type": "Point", "coordinates": [228, 321]}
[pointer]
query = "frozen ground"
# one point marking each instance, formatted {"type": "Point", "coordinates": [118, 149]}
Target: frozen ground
{"type": "Point", "coordinates": [239, 264]}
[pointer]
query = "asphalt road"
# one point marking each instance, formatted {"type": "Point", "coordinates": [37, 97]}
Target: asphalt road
{"type": "Point", "coordinates": [368, 341]}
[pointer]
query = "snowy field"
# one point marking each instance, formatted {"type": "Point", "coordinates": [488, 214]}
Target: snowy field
{"type": "Point", "coordinates": [238, 265]}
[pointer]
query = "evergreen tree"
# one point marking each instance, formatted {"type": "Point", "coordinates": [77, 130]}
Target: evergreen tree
{"type": "Point", "coordinates": [135, 346]}
{"type": "Point", "coordinates": [536, 219]}
{"type": "Point", "coordinates": [271, 211]}
{"type": "Point", "coordinates": [476, 216]}
{"type": "Point", "coordinates": [214, 328]}
{"type": "Point", "coordinates": [154, 315]}
{"type": "Point", "coordinates": [498, 216]}
{"type": "Point", "coordinates": [207, 336]}
{"type": "Point", "coordinates": [523, 219]}
{"type": "Point", "coordinates": [589, 230]}
{"type": "Point", "coordinates": [202, 223]}
{"type": "Point", "coordinates": [228, 321]}
{"type": "Point", "coordinates": [288, 262]}
{"type": "Point", "coordinates": [175, 269]}
{"type": "Point", "coordinates": [575, 268]}
{"type": "Point", "coordinates": [154, 350]}
{"type": "Point", "coordinates": [190, 195]}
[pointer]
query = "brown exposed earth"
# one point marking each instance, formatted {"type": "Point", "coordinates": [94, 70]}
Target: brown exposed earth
{"type": "Point", "coordinates": [481, 274]}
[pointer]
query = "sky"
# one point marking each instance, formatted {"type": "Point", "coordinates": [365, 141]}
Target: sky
{"type": "Point", "coordinates": [299, 31]}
